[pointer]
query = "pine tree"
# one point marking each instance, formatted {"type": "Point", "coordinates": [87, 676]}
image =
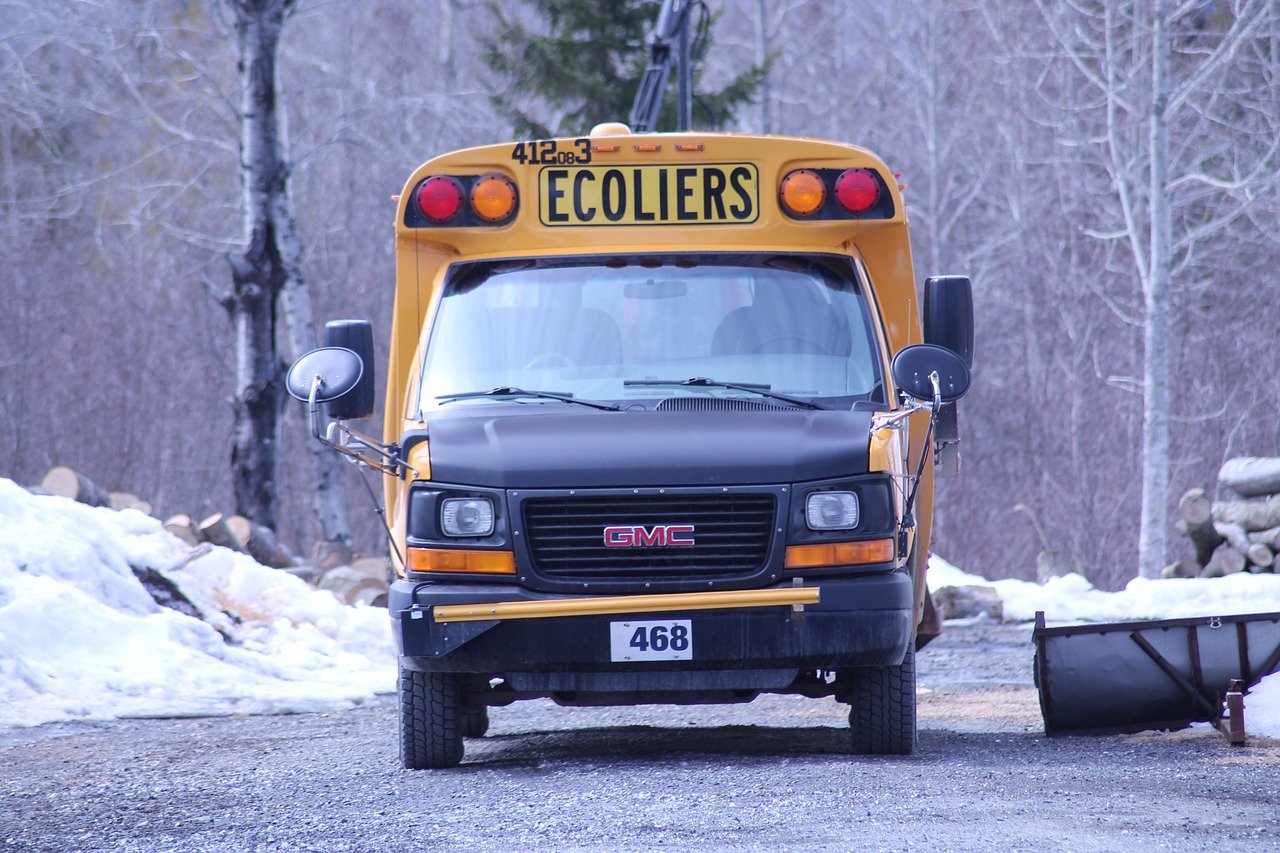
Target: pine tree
{"type": "Point", "coordinates": [563, 66]}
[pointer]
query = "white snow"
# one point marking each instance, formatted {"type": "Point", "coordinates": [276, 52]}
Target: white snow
{"type": "Point", "coordinates": [1262, 708]}
{"type": "Point", "coordinates": [82, 639]}
{"type": "Point", "coordinates": [1072, 598]}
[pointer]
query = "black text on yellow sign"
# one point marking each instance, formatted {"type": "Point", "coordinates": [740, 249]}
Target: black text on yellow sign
{"type": "Point", "coordinates": [705, 194]}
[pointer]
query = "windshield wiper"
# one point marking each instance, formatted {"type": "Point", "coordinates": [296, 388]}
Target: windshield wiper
{"type": "Point", "coordinates": [704, 382]}
{"type": "Point", "coordinates": [508, 391]}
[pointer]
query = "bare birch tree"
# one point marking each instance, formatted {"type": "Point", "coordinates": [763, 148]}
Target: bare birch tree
{"type": "Point", "coordinates": [267, 280]}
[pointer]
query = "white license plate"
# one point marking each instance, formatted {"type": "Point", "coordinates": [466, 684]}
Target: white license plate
{"type": "Point", "coordinates": [635, 641]}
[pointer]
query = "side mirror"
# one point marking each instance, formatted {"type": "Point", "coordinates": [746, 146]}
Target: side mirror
{"type": "Point", "coordinates": [357, 336]}
{"type": "Point", "coordinates": [914, 368]}
{"type": "Point", "coordinates": [332, 371]}
{"type": "Point", "coordinates": [948, 314]}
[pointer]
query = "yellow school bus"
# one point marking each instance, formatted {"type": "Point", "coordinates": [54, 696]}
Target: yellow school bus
{"type": "Point", "coordinates": [662, 415]}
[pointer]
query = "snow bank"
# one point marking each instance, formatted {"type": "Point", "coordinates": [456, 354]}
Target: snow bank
{"type": "Point", "coordinates": [1072, 598]}
{"type": "Point", "coordinates": [1262, 708]}
{"type": "Point", "coordinates": [81, 638]}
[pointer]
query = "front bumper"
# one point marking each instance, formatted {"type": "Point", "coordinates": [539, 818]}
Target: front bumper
{"type": "Point", "coordinates": [864, 621]}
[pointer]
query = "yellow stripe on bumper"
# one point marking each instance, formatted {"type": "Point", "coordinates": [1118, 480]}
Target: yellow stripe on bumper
{"type": "Point", "coordinates": [625, 604]}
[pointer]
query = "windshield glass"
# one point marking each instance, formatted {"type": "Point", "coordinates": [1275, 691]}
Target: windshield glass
{"type": "Point", "coordinates": [592, 327]}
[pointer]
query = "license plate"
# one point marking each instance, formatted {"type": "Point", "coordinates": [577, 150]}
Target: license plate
{"type": "Point", "coordinates": [696, 194]}
{"type": "Point", "coordinates": [637, 641]}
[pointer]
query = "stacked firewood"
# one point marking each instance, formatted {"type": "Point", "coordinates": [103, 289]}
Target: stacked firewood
{"type": "Point", "coordinates": [1241, 533]}
{"type": "Point", "coordinates": [351, 578]}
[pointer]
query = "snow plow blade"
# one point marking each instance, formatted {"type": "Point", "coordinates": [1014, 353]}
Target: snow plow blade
{"type": "Point", "coordinates": [1131, 676]}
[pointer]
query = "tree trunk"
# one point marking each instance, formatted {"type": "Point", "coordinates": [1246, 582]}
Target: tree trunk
{"type": "Point", "coordinates": [1251, 478]}
{"type": "Point", "coordinates": [1156, 328]}
{"type": "Point", "coordinates": [260, 273]}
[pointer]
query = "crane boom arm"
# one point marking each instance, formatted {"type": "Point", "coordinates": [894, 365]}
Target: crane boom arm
{"type": "Point", "coordinates": [671, 29]}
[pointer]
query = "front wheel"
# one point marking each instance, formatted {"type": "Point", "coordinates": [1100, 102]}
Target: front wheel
{"type": "Point", "coordinates": [882, 708]}
{"type": "Point", "coordinates": [431, 719]}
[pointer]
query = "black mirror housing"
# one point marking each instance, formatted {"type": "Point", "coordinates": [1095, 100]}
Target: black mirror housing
{"type": "Point", "coordinates": [948, 314]}
{"type": "Point", "coordinates": [913, 367]}
{"type": "Point", "coordinates": [357, 336]}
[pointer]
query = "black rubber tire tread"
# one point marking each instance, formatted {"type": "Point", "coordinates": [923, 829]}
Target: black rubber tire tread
{"type": "Point", "coordinates": [431, 719]}
{"type": "Point", "coordinates": [882, 715]}
{"type": "Point", "coordinates": [475, 721]}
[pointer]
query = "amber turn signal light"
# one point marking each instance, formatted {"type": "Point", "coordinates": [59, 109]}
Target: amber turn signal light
{"type": "Point", "coordinates": [456, 560]}
{"type": "Point", "coordinates": [493, 197]}
{"type": "Point", "coordinates": [802, 192]}
{"type": "Point", "coordinates": [839, 554]}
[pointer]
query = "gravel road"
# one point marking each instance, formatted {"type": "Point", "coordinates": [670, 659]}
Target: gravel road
{"type": "Point", "coordinates": [771, 774]}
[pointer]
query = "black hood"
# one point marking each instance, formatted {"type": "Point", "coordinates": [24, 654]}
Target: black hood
{"type": "Point", "coordinates": [554, 448]}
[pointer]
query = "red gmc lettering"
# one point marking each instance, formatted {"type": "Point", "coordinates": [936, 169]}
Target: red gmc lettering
{"type": "Point", "coordinates": [658, 536]}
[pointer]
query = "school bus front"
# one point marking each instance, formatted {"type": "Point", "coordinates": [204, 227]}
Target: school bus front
{"type": "Point", "coordinates": [637, 384]}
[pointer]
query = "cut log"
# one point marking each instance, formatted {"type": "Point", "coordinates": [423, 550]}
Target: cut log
{"type": "Point", "coordinates": [1251, 515]}
{"type": "Point", "coordinates": [1184, 568]}
{"type": "Point", "coordinates": [1261, 558]}
{"type": "Point", "coordinates": [1251, 477]}
{"type": "Point", "coordinates": [1269, 537]}
{"type": "Point", "coordinates": [181, 525]}
{"type": "Point", "coordinates": [128, 500]}
{"type": "Point", "coordinates": [260, 543]}
{"type": "Point", "coordinates": [214, 530]}
{"type": "Point", "coordinates": [352, 587]}
{"type": "Point", "coordinates": [373, 567]}
{"type": "Point", "coordinates": [330, 555]}
{"type": "Point", "coordinates": [1197, 524]}
{"type": "Point", "coordinates": [69, 483]}
{"type": "Point", "coordinates": [1225, 561]}
{"type": "Point", "coordinates": [966, 602]}
{"type": "Point", "coordinates": [1258, 554]}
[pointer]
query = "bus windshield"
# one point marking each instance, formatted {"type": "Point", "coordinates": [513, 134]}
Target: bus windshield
{"type": "Point", "coordinates": [626, 329]}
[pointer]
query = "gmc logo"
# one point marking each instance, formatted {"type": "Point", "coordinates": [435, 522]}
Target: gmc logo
{"type": "Point", "coordinates": [639, 536]}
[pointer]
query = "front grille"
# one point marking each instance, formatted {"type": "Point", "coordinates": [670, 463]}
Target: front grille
{"type": "Point", "coordinates": [732, 533]}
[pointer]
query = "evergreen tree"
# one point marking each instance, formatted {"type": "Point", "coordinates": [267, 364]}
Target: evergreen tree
{"type": "Point", "coordinates": [566, 65]}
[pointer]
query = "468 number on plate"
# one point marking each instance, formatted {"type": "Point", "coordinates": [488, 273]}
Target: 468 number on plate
{"type": "Point", "coordinates": [635, 641]}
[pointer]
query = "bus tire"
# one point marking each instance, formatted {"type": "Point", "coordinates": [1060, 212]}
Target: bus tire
{"type": "Point", "coordinates": [431, 719]}
{"type": "Point", "coordinates": [882, 710]}
{"type": "Point", "coordinates": [475, 721]}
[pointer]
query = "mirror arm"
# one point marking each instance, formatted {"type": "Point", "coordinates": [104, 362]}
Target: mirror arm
{"type": "Point", "coordinates": [926, 451]}
{"type": "Point", "coordinates": [366, 450]}
{"type": "Point", "coordinates": [360, 448]}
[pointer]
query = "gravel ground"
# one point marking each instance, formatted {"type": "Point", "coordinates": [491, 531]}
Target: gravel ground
{"type": "Point", "coordinates": [770, 774]}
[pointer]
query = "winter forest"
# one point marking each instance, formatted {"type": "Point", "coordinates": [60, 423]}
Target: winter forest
{"type": "Point", "coordinates": [1107, 172]}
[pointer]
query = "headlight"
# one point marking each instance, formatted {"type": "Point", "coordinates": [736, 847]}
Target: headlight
{"type": "Point", "coordinates": [832, 511]}
{"type": "Point", "coordinates": [466, 516]}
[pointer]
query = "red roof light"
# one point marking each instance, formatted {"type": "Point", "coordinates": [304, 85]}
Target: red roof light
{"type": "Point", "coordinates": [857, 190]}
{"type": "Point", "coordinates": [439, 198]}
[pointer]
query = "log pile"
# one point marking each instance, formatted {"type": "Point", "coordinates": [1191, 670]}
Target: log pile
{"type": "Point", "coordinates": [351, 578]}
{"type": "Point", "coordinates": [1236, 534]}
